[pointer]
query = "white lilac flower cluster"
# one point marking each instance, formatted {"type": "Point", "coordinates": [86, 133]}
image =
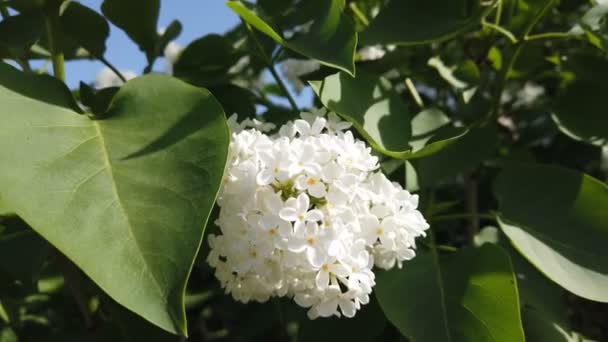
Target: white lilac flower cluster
{"type": "Point", "coordinates": [305, 213]}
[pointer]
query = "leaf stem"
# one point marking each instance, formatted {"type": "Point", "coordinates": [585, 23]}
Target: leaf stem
{"type": "Point", "coordinates": [105, 62]}
{"type": "Point", "coordinates": [551, 35]}
{"type": "Point", "coordinates": [500, 30]}
{"type": "Point", "coordinates": [504, 71]}
{"type": "Point", "coordinates": [353, 6]}
{"type": "Point", "coordinates": [498, 13]}
{"type": "Point", "coordinates": [270, 66]}
{"type": "Point", "coordinates": [54, 37]}
{"type": "Point", "coordinates": [415, 95]}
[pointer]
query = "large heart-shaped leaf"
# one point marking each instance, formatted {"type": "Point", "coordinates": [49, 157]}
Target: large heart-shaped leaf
{"type": "Point", "coordinates": [410, 22]}
{"type": "Point", "coordinates": [126, 198]}
{"type": "Point", "coordinates": [470, 295]}
{"type": "Point", "coordinates": [557, 219]}
{"type": "Point", "coordinates": [374, 108]}
{"type": "Point", "coordinates": [331, 38]}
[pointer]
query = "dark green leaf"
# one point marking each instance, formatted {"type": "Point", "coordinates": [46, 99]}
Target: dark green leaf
{"type": "Point", "coordinates": [410, 22]}
{"type": "Point", "coordinates": [98, 101]}
{"type": "Point", "coordinates": [367, 325]}
{"type": "Point", "coordinates": [469, 295]}
{"type": "Point", "coordinates": [557, 219]}
{"type": "Point", "coordinates": [19, 32]}
{"type": "Point", "coordinates": [143, 216]}
{"type": "Point", "coordinates": [21, 256]}
{"type": "Point", "coordinates": [171, 33]}
{"type": "Point", "coordinates": [139, 20]}
{"type": "Point", "coordinates": [86, 27]}
{"type": "Point", "coordinates": [374, 108]}
{"type": "Point", "coordinates": [579, 108]}
{"type": "Point", "coordinates": [206, 61]}
{"type": "Point", "coordinates": [331, 39]}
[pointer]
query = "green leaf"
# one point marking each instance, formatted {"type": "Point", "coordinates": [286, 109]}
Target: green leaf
{"type": "Point", "coordinates": [579, 107]}
{"type": "Point", "coordinates": [125, 198]}
{"type": "Point", "coordinates": [461, 155]}
{"type": "Point", "coordinates": [374, 108]}
{"type": "Point", "coordinates": [19, 32]}
{"type": "Point", "coordinates": [86, 27]}
{"type": "Point", "coordinates": [595, 24]}
{"type": "Point", "coordinates": [557, 219]}
{"type": "Point", "coordinates": [22, 255]}
{"type": "Point", "coordinates": [543, 304]}
{"type": "Point", "coordinates": [367, 325]}
{"type": "Point", "coordinates": [331, 39]}
{"type": "Point", "coordinates": [139, 20]}
{"type": "Point", "coordinates": [431, 133]}
{"type": "Point", "coordinates": [98, 101]}
{"type": "Point", "coordinates": [411, 22]}
{"type": "Point", "coordinates": [206, 61]}
{"type": "Point", "coordinates": [469, 295]}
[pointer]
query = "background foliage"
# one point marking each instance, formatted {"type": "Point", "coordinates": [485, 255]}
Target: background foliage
{"type": "Point", "coordinates": [493, 111]}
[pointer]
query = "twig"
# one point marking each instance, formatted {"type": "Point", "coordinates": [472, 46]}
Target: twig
{"type": "Point", "coordinates": [270, 67]}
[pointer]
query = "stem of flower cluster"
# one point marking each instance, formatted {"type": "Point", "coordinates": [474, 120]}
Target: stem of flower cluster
{"type": "Point", "coordinates": [54, 37]}
{"type": "Point", "coordinates": [270, 66]}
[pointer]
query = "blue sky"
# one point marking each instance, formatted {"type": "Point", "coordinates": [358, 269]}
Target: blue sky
{"type": "Point", "coordinates": [198, 18]}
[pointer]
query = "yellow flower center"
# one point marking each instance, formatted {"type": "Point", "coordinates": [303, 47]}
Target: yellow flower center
{"type": "Point", "coordinates": [311, 181]}
{"type": "Point", "coordinates": [380, 231]}
{"type": "Point", "coordinates": [311, 241]}
{"type": "Point", "coordinates": [325, 267]}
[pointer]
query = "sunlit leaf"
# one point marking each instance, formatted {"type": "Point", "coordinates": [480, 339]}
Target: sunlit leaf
{"type": "Point", "coordinates": [469, 295]}
{"type": "Point", "coordinates": [331, 38]}
{"type": "Point", "coordinates": [557, 219]}
{"type": "Point", "coordinates": [125, 198]}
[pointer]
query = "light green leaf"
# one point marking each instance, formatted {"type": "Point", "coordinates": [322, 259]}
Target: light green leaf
{"type": "Point", "coordinates": [557, 219]}
{"type": "Point", "coordinates": [410, 22]}
{"type": "Point", "coordinates": [125, 198]}
{"type": "Point", "coordinates": [432, 133]}
{"type": "Point", "coordinates": [376, 111]}
{"type": "Point", "coordinates": [542, 302]}
{"type": "Point", "coordinates": [462, 154]}
{"type": "Point", "coordinates": [331, 39]}
{"type": "Point", "coordinates": [86, 27]}
{"type": "Point", "coordinates": [139, 20]}
{"type": "Point", "coordinates": [595, 24]}
{"type": "Point", "coordinates": [469, 295]}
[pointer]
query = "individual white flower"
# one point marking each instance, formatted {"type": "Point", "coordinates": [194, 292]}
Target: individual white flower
{"type": "Point", "coordinates": [107, 78]}
{"type": "Point", "coordinates": [305, 214]}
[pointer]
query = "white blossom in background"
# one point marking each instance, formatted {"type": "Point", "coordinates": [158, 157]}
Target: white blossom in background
{"type": "Point", "coordinates": [306, 213]}
{"type": "Point", "coordinates": [292, 69]}
{"type": "Point", "coordinates": [172, 51]}
{"type": "Point", "coordinates": [528, 94]}
{"type": "Point", "coordinates": [107, 78]}
{"type": "Point", "coordinates": [374, 52]}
